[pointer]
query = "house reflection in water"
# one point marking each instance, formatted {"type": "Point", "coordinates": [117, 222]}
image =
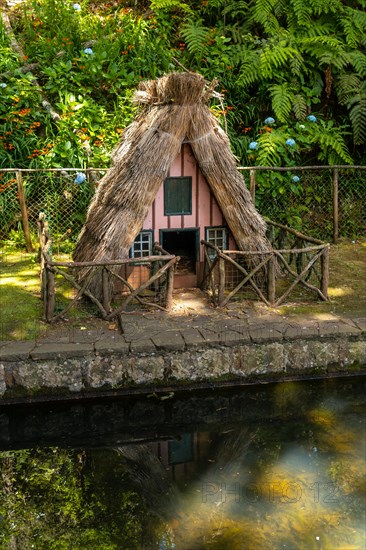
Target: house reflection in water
{"type": "Point", "coordinates": [185, 456]}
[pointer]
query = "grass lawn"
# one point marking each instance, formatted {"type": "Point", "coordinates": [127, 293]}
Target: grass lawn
{"type": "Point", "coordinates": [21, 308]}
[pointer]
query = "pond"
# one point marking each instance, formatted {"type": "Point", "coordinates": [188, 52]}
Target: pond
{"type": "Point", "coordinates": [277, 466]}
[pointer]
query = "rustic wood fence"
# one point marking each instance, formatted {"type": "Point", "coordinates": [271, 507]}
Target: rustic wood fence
{"type": "Point", "coordinates": [159, 282]}
{"type": "Point", "coordinates": [296, 259]}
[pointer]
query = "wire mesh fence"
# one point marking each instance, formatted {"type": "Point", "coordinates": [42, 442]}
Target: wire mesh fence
{"type": "Point", "coordinates": [321, 201]}
{"type": "Point", "coordinates": [60, 194]}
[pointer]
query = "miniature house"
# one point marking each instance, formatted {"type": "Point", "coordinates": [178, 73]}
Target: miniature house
{"type": "Point", "coordinates": [183, 213]}
{"type": "Point", "coordinates": [173, 180]}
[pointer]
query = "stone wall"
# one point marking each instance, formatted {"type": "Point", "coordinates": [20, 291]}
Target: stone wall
{"type": "Point", "coordinates": [92, 373]}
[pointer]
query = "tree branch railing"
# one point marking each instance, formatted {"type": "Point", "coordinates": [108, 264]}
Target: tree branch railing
{"type": "Point", "coordinates": [161, 265]}
{"type": "Point", "coordinates": [271, 266]}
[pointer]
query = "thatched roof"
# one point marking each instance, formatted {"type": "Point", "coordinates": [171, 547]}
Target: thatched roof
{"type": "Point", "coordinates": [174, 109]}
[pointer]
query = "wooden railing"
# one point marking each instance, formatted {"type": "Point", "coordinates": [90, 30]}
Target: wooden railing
{"type": "Point", "coordinates": [161, 267]}
{"type": "Point", "coordinates": [263, 271]}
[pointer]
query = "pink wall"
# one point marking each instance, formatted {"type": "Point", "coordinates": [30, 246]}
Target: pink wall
{"type": "Point", "coordinates": [205, 210]}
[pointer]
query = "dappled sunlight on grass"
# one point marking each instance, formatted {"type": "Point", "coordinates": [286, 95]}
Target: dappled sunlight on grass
{"type": "Point", "coordinates": [333, 292]}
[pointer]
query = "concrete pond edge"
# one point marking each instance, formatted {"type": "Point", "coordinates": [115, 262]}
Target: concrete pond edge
{"type": "Point", "coordinates": [83, 370]}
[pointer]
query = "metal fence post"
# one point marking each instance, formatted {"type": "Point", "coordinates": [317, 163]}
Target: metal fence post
{"type": "Point", "coordinates": [335, 206]}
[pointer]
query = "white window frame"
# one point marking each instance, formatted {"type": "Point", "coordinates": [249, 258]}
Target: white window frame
{"type": "Point", "coordinates": [214, 237]}
{"type": "Point", "coordinates": [142, 239]}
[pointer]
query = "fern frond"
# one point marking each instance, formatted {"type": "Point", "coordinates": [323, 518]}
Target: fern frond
{"type": "Point", "coordinates": [249, 69]}
{"type": "Point", "coordinates": [320, 7]}
{"type": "Point", "coordinates": [297, 64]}
{"type": "Point", "coordinates": [357, 114]}
{"type": "Point", "coordinates": [327, 50]}
{"type": "Point", "coordinates": [268, 145]}
{"type": "Point", "coordinates": [301, 11]}
{"type": "Point", "coordinates": [235, 8]}
{"type": "Point", "coordinates": [354, 26]}
{"type": "Point", "coordinates": [299, 107]}
{"type": "Point", "coordinates": [215, 3]}
{"type": "Point", "coordinates": [282, 100]}
{"type": "Point", "coordinates": [263, 13]}
{"type": "Point", "coordinates": [339, 60]}
{"type": "Point", "coordinates": [358, 60]}
{"type": "Point", "coordinates": [346, 85]}
{"type": "Point", "coordinates": [274, 57]}
{"type": "Point", "coordinates": [169, 5]}
{"type": "Point", "coordinates": [195, 35]}
{"type": "Point", "coordinates": [333, 147]}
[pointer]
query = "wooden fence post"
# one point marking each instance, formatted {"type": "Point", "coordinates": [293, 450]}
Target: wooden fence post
{"type": "Point", "coordinates": [169, 288]}
{"type": "Point", "coordinates": [335, 206]}
{"type": "Point", "coordinates": [106, 293]}
{"type": "Point", "coordinates": [221, 292]}
{"type": "Point", "coordinates": [24, 213]}
{"type": "Point", "coordinates": [271, 281]}
{"type": "Point", "coordinates": [324, 262]}
{"type": "Point", "coordinates": [252, 184]}
{"type": "Point", "coordinates": [50, 302]}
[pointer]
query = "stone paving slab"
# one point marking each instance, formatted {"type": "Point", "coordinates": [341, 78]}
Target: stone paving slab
{"type": "Point", "coordinates": [361, 323]}
{"type": "Point", "coordinates": [263, 333]}
{"type": "Point", "coordinates": [169, 341]}
{"type": "Point", "coordinates": [210, 335]}
{"type": "Point", "coordinates": [192, 338]}
{"type": "Point", "coordinates": [109, 346]}
{"type": "Point", "coordinates": [63, 351]}
{"type": "Point", "coordinates": [16, 351]}
{"type": "Point", "coordinates": [327, 328]}
{"type": "Point", "coordinates": [145, 345]}
{"type": "Point", "coordinates": [232, 338]}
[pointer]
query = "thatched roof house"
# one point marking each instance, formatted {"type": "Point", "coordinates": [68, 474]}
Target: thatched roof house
{"type": "Point", "coordinates": [175, 134]}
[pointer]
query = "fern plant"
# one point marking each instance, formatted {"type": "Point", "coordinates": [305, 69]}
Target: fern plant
{"type": "Point", "coordinates": [196, 36]}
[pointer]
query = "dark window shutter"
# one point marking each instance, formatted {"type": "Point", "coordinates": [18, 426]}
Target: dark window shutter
{"type": "Point", "coordinates": [178, 196]}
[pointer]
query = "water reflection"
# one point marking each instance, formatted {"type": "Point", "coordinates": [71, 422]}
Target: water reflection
{"type": "Point", "coordinates": [279, 467]}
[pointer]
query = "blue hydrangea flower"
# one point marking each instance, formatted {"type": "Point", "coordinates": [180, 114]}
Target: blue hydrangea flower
{"type": "Point", "coordinates": [311, 118]}
{"type": "Point", "coordinates": [76, 7]}
{"type": "Point", "coordinates": [269, 120]}
{"type": "Point", "coordinates": [290, 142]}
{"type": "Point", "coordinates": [80, 178]}
{"type": "Point", "coordinates": [253, 145]}
{"type": "Point", "coordinates": [3, 85]}
{"type": "Point", "coordinates": [295, 179]}
{"type": "Point", "coordinates": [88, 51]}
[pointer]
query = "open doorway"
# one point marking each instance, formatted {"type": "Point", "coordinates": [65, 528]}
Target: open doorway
{"type": "Point", "coordinates": [183, 243]}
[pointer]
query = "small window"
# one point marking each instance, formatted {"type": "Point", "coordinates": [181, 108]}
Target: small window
{"type": "Point", "coordinates": [142, 245]}
{"type": "Point", "coordinates": [217, 236]}
{"type": "Point", "coordinates": [177, 196]}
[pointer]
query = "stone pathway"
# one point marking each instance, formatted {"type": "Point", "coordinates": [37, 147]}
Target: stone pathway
{"type": "Point", "coordinates": [201, 327]}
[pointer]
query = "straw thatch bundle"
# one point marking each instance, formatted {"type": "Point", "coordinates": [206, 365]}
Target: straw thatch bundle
{"type": "Point", "coordinates": [174, 109]}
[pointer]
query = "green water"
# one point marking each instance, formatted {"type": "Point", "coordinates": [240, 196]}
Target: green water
{"type": "Point", "coordinates": [280, 466]}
